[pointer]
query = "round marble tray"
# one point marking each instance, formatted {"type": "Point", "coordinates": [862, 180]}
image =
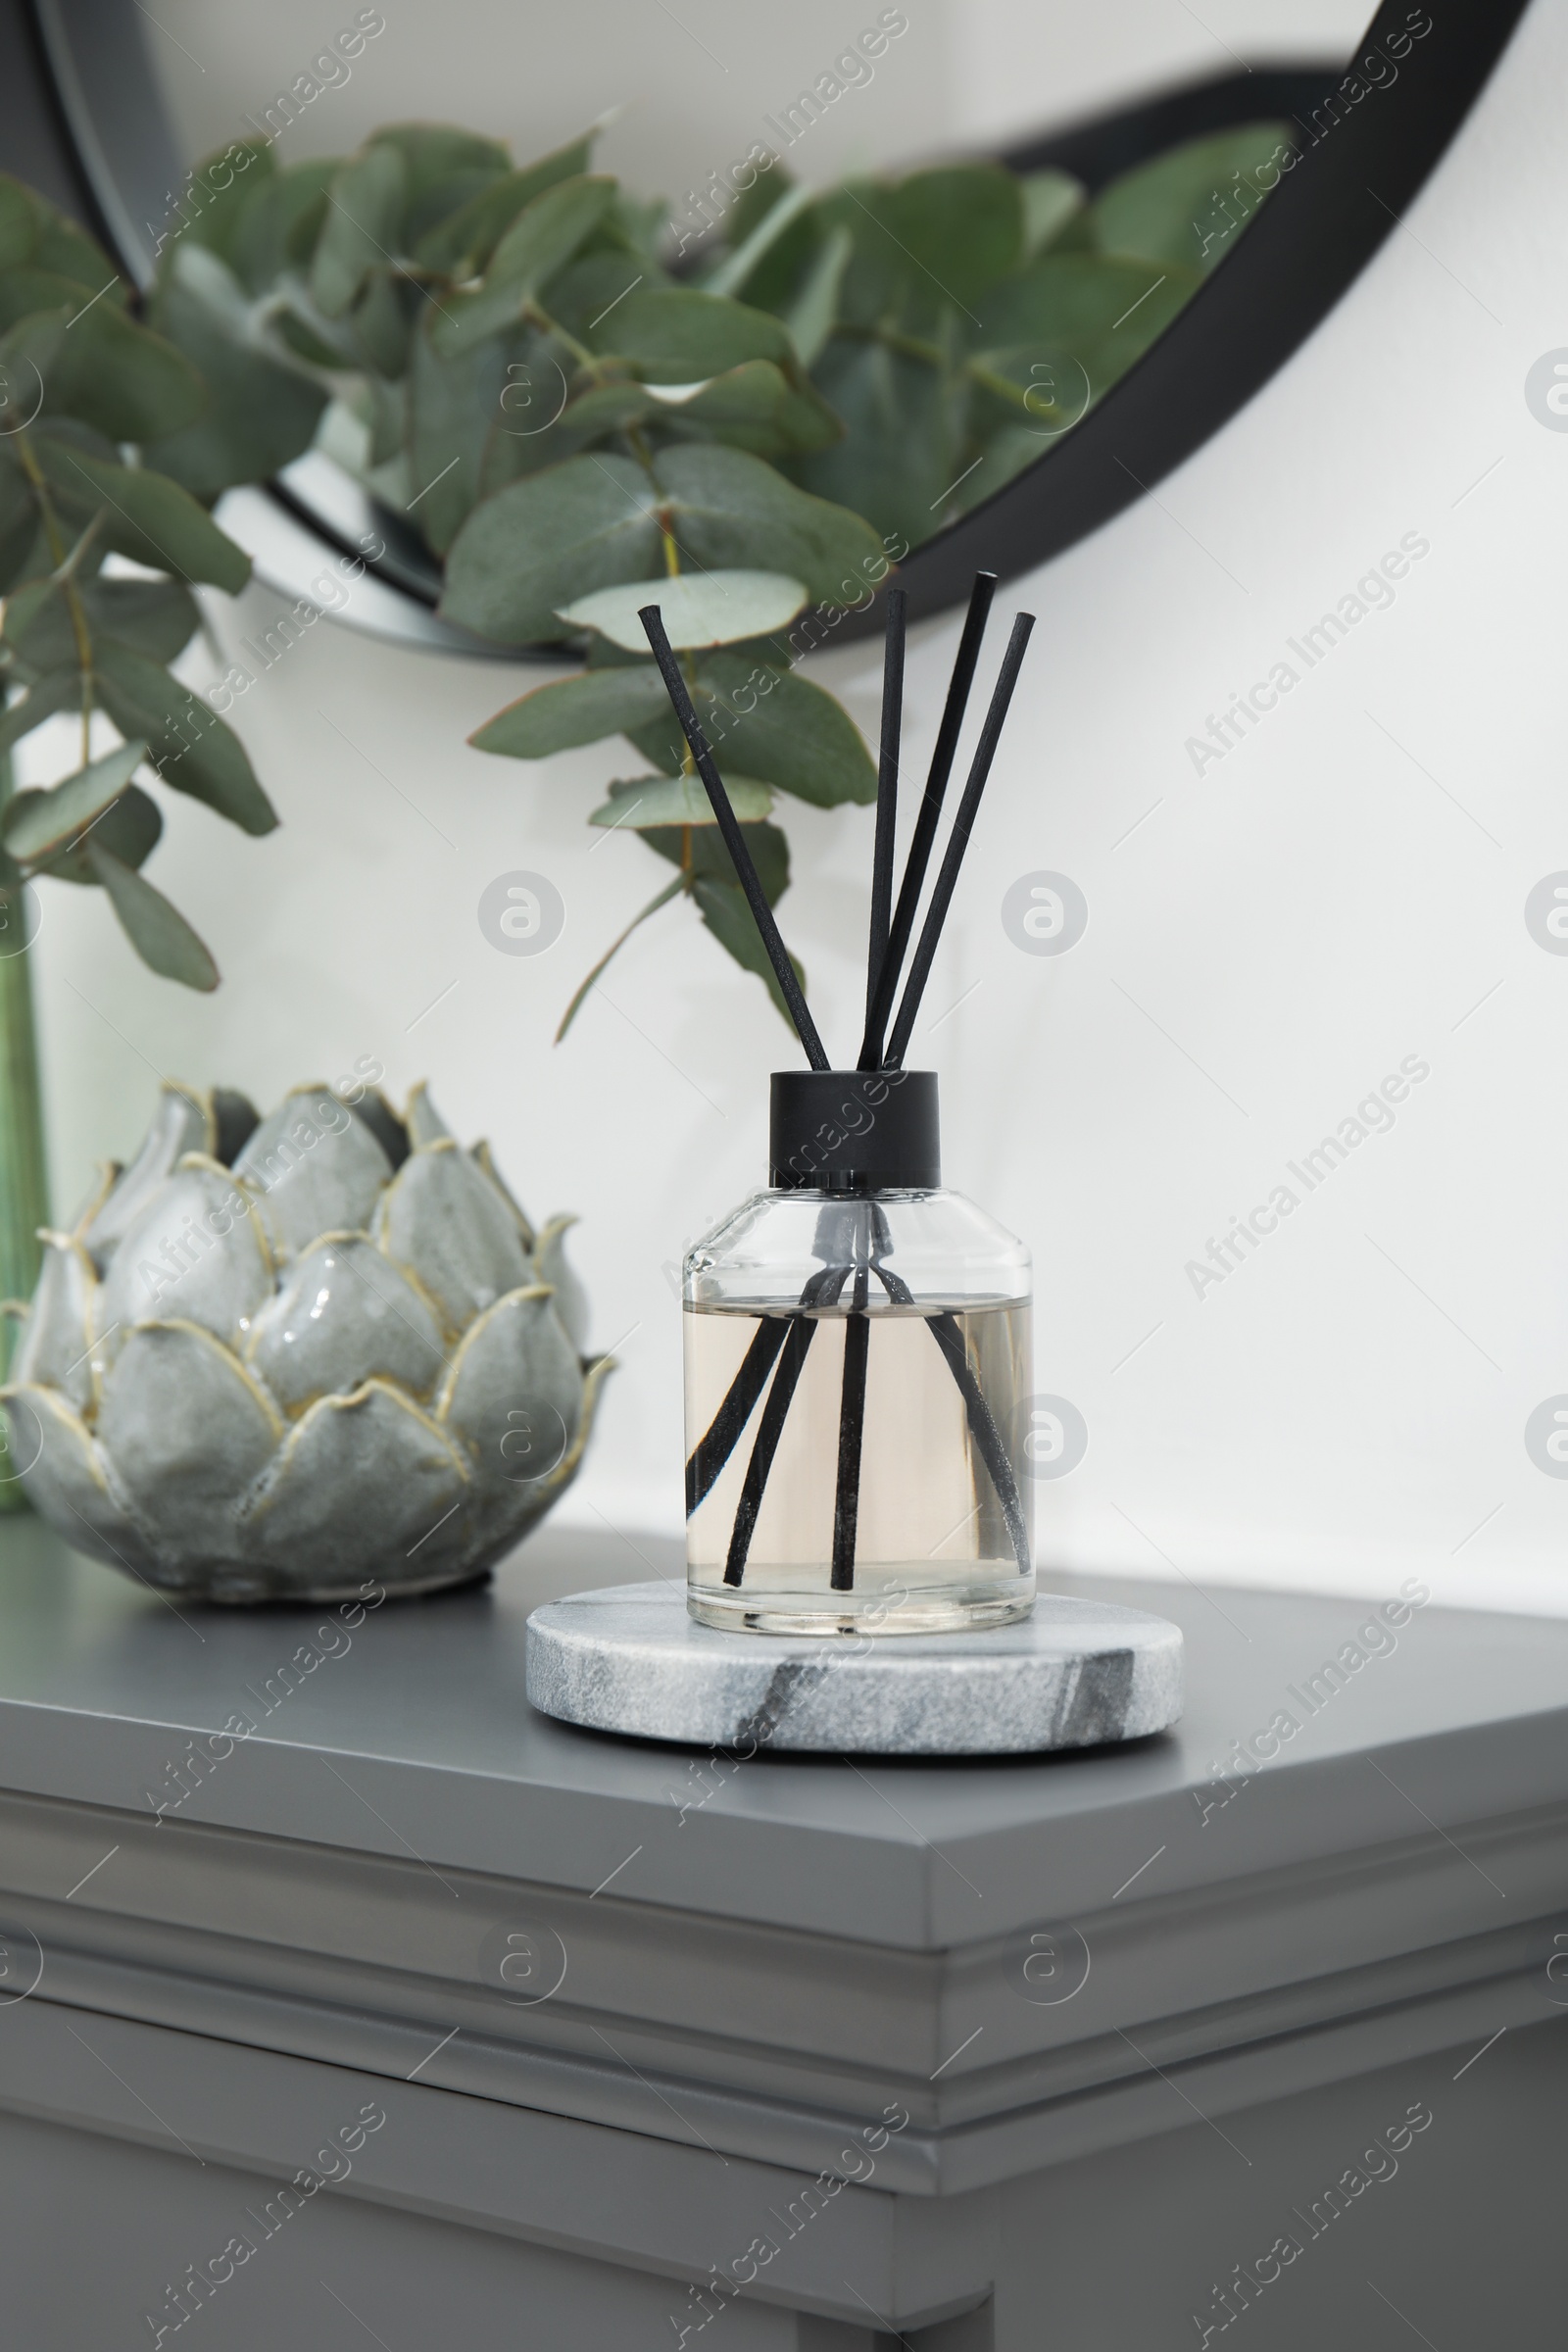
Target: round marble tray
{"type": "Point", "coordinates": [1075, 1673]}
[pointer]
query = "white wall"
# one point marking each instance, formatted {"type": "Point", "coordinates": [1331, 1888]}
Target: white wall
{"type": "Point", "coordinates": [1349, 1405]}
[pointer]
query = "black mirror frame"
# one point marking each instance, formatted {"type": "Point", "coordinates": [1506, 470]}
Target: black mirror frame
{"type": "Point", "coordinates": [1308, 245]}
{"type": "Point", "coordinates": [1345, 194]}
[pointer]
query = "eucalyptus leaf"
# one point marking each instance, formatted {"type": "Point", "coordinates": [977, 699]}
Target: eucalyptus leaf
{"type": "Point", "coordinates": [1072, 325]}
{"type": "Point", "coordinates": [70, 252]}
{"type": "Point", "coordinates": [462, 241]}
{"type": "Point", "coordinates": [540, 241]}
{"type": "Point", "coordinates": [676, 335]}
{"type": "Point", "coordinates": [648, 802]}
{"type": "Point", "coordinates": [224, 187]}
{"type": "Point", "coordinates": [279, 222]}
{"type": "Point", "coordinates": [514, 448]}
{"type": "Point", "coordinates": [158, 931]}
{"type": "Point", "coordinates": [146, 516]}
{"type": "Point", "coordinates": [813, 312]}
{"type": "Point", "coordinates": [26, 291]}
{"type": "Point", "coordinates": [1185, 206]}
{"type": "Point", "coordinates": [772, 184]}
{"type": "Point", "coordinates": [574, 711]}
{"type": "Point", "coordinates": [785, 254]}
{"type": "Point", "coordinates": [302, 341]}
{"type": "Point", "coordinates": [38, 824]}
{"type": "Point", "coordinates": [961, 227]}
{"type": "Point", "coordinates": [725, 911]}
{"type": "Point", "coordinates": [444, 167]}
{"type": "Point", "coordinates": [188, 743]}
{"type": "Point", "coordinates": [129, 830]}
{"type": "Point", "coordinates": [29, 350]}
{"type": "Point", "coordinates": [364, 218]}
{"type": "Point", "coordinates": [1051, 198]}
{"type": "Point", "coordinates": [760, 218]}
{"type": "Point", "coordinates": [37, 625]}
{"type": "Point", "coordinates": [20, 530]}
{"type": "Point", "coordinates": [755, 406]}
{"type": "Point", "coordinates": [454, 408]}
{"type": "Point", "coordinates": [904, 441]}
{"type": "Point", "coordinates": [123, 380]}
{"type": "Point", "coordinates": [593, 522]}
{"type": "Point", "coordinates": [700, 851]}
{"type": "Point", "coordinates": [578, 295]}
{"type": "Point", "coordinates": [379, 324]}
{"type": "Point", "coordinates": [155, 618]}
{"type": "Point", "coordinates": [258, 417]}
{"type": "Point", "coordinates": [543, 542]}
{"type": "Point", "coordinates": [771, 724]}
{"type": "Point", "coordinates": [698, 609]}
{"type": "Point", "coordinates": [1065, 301]}
{"type": "Point", "coordinates": [729, 509]}
{"type": "Point", "coordinates": [928, 246]}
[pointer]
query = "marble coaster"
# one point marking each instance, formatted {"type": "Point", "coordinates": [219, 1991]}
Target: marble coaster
{"type": "Point", "coordinates": [1073, 1674]}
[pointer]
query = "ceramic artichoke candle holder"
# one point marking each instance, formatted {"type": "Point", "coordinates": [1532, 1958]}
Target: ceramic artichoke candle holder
{"type": "Point", "coordinates": [277, 1357]}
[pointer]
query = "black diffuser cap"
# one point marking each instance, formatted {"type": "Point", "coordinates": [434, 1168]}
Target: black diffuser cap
{"type": "Point", "coordinates": [855, 1131]}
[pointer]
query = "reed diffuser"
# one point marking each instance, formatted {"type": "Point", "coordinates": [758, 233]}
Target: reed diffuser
{"type": "Point", "coordinates": [856, 1338]}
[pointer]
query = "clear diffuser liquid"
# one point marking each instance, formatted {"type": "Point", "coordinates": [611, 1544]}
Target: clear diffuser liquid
{"type": "Point", "coordinates": [939, 1535]}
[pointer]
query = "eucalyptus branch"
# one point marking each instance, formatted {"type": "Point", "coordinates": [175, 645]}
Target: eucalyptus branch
{"type": "Point", "coordinates": [589, 362]}
{"type": "Point", "coordinates": [912, 347]}
{"type": "Point", "coordinates": [290, 297]}
{"type": "Point", "coordinates": [64, 575]}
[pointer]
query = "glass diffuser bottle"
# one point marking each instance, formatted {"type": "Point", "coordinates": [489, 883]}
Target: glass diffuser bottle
{"type": "Point", "coordinates": [857, 1340]}
{"type": "Point", "coordinates": [858, 1356]}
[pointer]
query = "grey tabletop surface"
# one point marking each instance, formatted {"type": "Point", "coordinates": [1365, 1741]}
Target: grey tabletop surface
{"type": "Point", "coordinates": [411, 1736]}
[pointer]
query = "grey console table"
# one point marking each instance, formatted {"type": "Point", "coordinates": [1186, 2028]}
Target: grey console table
{"type": "Point", "coordinates": [346, 2002]}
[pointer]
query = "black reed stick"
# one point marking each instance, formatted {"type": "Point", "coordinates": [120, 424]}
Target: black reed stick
{"type": "Point", "coordinates": [821, 1291]}
{"type": "Point", "coordinates": [734, 840]}
{"type": "Point", "coordinates": [713, 1449]}
{"type": "Point", "coordinates": [852, 1418]}
{"type": "Point", "coordinates": [887, 799]}
{"type": "Point", "coordinates": [927, 816]}
{"type": "Point", "coordinates": [852, 1433]}
{"type": "Point", "coordinates": [959, 842]}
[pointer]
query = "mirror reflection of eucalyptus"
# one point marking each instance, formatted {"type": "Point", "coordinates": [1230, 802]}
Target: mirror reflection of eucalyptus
{"type": "Point", "coordinates": [563, 396]}
{"type": "Point", "coordinates": [940, 328]}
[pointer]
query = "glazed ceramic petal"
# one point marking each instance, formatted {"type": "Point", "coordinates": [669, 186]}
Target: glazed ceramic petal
{"type": "Point", "coordinates": [506, 1523]}
{"type": "Point", "coordinates": [195, 1255]}
{"type": "Point", "coordinates": [103, 1184]}
{"type": "Point", "coordinates": [181, 1123]}
{"type": "Point", "coordinates": [485, 1161]}
{"type": "Point", "coordinates": [424, 1121]}
{"type": "Point", "coordinates": [314, 1167]}
{"type": "Point", "coordinates": [344, 1312]}
{"type": "Point", "coordinates": [55, 1344]}
{"type": "Point", "coordinates": [69, 1482]}
{"type": "Point", "coordinates": [444, 1220]}
{"type": "Point", "coordinates": [365, 1485]}
{"type": "Point", "coordinates": [187, 1432]}
{"type": "Point", "coordinates": [572, 1299]}
{"type": "Point", "coordinates": [514, 1395]}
